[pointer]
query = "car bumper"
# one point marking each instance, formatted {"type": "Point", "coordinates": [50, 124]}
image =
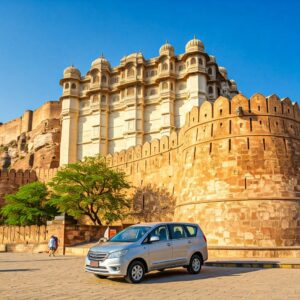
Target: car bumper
{"type": "Point", "coordinates": [108, 267]}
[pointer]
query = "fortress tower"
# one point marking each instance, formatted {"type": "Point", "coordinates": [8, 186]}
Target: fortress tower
{"type": "Point", "coordinates": [114, 108]}
{"type": "Point", "coordinates": [233, 168]}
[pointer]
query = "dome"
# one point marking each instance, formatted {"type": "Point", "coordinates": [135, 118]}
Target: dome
{"type": "Point", "coordinates": [102, 61]}
{"type": "Point", "coordinates": [212, 58]}
{"type": "Point", "coordinates": [233, 84]}
{"type": "Point", "coordinates": [223, 71]}
{"type": "Point", "coordinates": [166, 49]}
{"type": "Point", "coordinates": [194, 45]}
{"type": "Point", "coordinates": [72, 72]}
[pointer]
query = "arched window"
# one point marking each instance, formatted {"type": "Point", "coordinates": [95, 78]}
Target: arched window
{"type": "Point", "coordinates": [95, 98]}
{"type": "Point", "coordinates": [200, 60]}
{"type": "Point", "coordinates": [210, 90]}
{"type": "Point", "coordinates": [67, 85]}
{"type": "Point", "coordinates": [95, 76]}
{"type": "Point", "coordinates": [73, 86]}
{"type": "Point", "coordinates": [165, 66]}
{"type": "Point", "coordinates": [103, 99]}
{"type": "Point", "coordinates": [130, 72]}
{"type": "Point", "coordinates": [193, 61]}
{"type": "Point", "coordinates": [164, 85]}
{"type": "Point", "coordinates": [209, 71]}
{"type": "Point", "coordinates": [152, 92]}
{"type": "Point", "coordinates": [182, 86]}
{"type": "Point", "coordinates": [103, 79]}
{"type": "Point", "coordinates": [172, 86]}
{"type": "Point", "coordinates": [171, 66]}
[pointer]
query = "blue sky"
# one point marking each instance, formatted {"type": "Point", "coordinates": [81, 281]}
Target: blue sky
{"type": "Point", "coordinates": [257, 41]}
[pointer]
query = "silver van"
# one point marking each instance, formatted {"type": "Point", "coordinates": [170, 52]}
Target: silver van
{"type": "Point", "coordinates": [142, 248]}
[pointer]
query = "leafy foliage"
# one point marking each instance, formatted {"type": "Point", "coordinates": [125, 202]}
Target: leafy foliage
{"type": "Point", "coordinates": [92, 189]}
{"type": "Point", "coordinates": [28, 206]}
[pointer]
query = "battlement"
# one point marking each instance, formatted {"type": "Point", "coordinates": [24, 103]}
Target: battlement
{"type": "Point", "coordinates": [219, 121]}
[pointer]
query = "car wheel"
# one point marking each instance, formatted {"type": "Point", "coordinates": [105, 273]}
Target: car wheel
{"type": "Point", "coordinates": [100, 276]}
{"type": "Point", "coordinates": [195, 264]}
{"type": "Point", "coordinates": [135, 272]}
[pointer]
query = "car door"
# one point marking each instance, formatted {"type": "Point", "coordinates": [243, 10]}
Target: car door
{"type": "Point", "coordinates": [180, 244]}
{"type": "Point", "coordinates": [160, 252]}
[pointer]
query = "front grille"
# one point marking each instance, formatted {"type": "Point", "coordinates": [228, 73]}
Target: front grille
{"type": "Point", "coordinates": [98, 256]}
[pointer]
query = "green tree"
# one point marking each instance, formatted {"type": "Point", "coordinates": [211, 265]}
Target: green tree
{"type": "Point", "coordinates": [92, 189]}
{"type": "Point", "coordinates": [28, 206]}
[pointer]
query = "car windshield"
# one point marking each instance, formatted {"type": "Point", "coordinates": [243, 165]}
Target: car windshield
{"type": "Point", "coordinates": [130, 234]}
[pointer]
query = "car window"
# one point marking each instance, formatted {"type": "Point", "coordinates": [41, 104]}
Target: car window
{"type": "Point", "coordinates": [161, 232]}
{"type": "Point", "coordinates": [177, 231]}
{"type": "Point", "coordinates": [130, 234]}
{"type": "Point", "coordinates": [191, 230]}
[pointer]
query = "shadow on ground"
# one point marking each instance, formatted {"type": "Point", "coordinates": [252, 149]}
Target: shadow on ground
{"type": "Point", "coordinates": [181, 275]}
{"type": "Point", "coordinates": [18, 270]}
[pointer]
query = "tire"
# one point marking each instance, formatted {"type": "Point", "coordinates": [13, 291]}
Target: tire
{"type": "Point", "coordinates": [100, 276]}
{"type": "Point", "coordinates": [195, 264]}
{"type": "Point", "coordinates": [135, 272]}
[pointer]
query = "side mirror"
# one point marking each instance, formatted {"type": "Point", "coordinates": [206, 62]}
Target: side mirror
{"type": "Point", "coordinates": [154, 238]}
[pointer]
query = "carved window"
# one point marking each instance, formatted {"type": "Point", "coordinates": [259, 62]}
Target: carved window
{"type": "Point", "coordinates": [153, 73]}
{"type": "Point", "coordinates": [114, 79]}
{"type": "Point", "coordinates": [95, 76]}
{"type": "Point", "coordinates": [95, 98]}
{"type": "Point", "coordinates": [210, 90]}
{"type": "Point", "coordinates": [181, 67]}
{"type": "Point", "coordinates": [165, 66]}
{"type": "Point", "coordinates": [171, 66]}
{"type": "Point", "coordinates": [152, 92]}
{"type": "Point", "coordinates": [130, 72]}
{"type": "Point", "coordinates": [200, 60]}
{"type": "Point", "coordinates": [164, 85]}
{"type": "Point", "coordinates": [103, 99]}
{"type": "Point", "coordinates": [67, 85]}
{"type": "Point", "coordinates": [182, 86]}
{"type": "Point", "coordinates": [73, 86]}
{"type": "Point", "coordinates": [209, 71]}
{"type": "Point", "coordinates": [103, 79]}
{"type": "Point", "coordinates": [193, 61]}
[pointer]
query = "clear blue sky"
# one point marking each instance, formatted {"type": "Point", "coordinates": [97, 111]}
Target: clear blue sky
{"type": "Point", "coordinates": [257, 41]}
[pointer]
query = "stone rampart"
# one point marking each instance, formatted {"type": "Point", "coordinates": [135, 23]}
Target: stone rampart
{"type": "Point", "coordinates": [11, 130]}
{"type": "Point", "coordinates": [233, 168]}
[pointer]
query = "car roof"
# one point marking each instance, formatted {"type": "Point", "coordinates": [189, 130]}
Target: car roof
{"type": "Point", "coordinates": [152, 224]}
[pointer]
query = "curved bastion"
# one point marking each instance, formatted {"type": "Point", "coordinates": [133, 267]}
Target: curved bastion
{"type": "Point", "coordinates": [234, 169]}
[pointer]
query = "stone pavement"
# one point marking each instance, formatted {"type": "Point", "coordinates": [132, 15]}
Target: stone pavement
{"type": "Point", "coordinates": [37, 276]}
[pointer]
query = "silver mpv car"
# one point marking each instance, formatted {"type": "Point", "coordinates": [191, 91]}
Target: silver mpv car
{"type": "Point", "coordinates": [142, 248]}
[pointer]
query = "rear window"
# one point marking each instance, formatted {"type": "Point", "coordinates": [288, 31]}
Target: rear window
{"type": "Point", "coordinates": [191, 230]}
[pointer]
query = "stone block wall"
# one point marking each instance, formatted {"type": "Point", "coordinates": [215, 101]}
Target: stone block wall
{"type": "Point", "coordinates": [233, 168]}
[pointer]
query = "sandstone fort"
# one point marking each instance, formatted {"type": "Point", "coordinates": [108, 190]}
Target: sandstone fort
{"type": "Point", "coordinates": [193, 147]}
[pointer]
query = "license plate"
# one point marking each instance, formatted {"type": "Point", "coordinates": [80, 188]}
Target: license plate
{"type": "Point", "coordinates": [94, 263]}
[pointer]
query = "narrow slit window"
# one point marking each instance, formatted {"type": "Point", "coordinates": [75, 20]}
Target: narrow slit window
{"type": "Point", "coordinates": [229, 145]}
{"type": "Point", "coordinates": [248, 143]}
{"type": "Point", "coordinates": [264, 144]}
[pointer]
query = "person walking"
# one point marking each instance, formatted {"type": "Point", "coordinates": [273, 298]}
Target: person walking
{"type": "Point", "coordinates": [52, 245]}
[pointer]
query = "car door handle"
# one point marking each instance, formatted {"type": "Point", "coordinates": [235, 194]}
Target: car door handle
{"type": "Point", "coordinates": [169, 244]}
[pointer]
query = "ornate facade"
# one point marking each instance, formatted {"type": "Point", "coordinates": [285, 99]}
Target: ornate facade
{"type": "Point", "coordinates": [111, 109]}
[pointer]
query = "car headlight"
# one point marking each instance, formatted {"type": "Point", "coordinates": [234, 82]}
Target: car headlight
{"type": "Point", "coordinates": [117, 254]}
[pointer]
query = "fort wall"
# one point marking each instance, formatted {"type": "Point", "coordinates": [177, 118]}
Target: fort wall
{"type": "Point", "coordinates": [29, 121]}
{"type": "Point", "coordinates": [233, 168]}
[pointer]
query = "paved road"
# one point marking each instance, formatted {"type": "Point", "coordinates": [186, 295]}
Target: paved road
{"type": "Point", "coordinates": [36, 276]}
